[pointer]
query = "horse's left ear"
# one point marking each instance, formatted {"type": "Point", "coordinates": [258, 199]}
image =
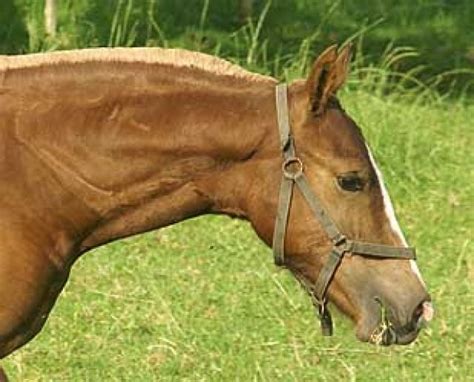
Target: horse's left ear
{"type": "Point", "coordinates": [327, 75]}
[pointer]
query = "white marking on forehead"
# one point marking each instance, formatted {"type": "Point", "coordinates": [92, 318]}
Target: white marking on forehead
{"type": "Point", "coordinates": [390, 213]}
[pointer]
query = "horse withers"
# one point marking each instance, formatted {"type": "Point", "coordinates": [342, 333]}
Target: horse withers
{"type": "Point", "coordinates": [101, 144]}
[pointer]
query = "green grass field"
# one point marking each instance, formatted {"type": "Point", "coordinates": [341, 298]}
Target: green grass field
{"type": "Point", "coordinates": [202, 300]}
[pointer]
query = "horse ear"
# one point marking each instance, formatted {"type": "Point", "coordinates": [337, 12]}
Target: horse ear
{"type": "Point", "coordinates": [327, 75]}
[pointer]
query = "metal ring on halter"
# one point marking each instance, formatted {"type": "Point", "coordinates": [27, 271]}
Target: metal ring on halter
{"type": "Point", "coordinates": [292, 173]}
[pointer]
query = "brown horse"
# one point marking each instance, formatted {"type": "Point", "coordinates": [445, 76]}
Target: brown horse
{"type": "Point", "coordinates": [97, 145]}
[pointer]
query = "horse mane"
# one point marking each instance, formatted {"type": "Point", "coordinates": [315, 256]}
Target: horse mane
{"type": "Point", "coordinates": [178, 58]}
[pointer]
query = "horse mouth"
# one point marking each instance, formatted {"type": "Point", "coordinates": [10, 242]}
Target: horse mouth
{"type": "Point", "coordinates": [388, 331]}
{"type": "Point", "coordinates": [387, 334]}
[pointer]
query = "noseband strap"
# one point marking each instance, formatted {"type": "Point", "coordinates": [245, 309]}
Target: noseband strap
{"type": "Point", "coordinates": [293, 173]}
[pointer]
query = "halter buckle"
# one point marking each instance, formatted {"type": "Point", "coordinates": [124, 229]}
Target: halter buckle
{"type": "Point", "coordinates": [292, 168]}
{"type": "Point", "coordinates": [342, 246]}
{"type": "Point", "coordinates": [339, 240]}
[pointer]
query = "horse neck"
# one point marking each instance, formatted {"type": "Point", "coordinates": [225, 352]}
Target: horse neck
{"type": "Point", "coordinates": [145, 158]}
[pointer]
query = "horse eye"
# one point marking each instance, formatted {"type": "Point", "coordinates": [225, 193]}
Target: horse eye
{"type": "Point", "coordinates": [350, 182]}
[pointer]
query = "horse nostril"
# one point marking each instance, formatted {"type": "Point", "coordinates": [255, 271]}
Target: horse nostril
{"type": "Point", "coordinates": [423, 313]}
{"type": "Point", "coordinates": [418, 313]}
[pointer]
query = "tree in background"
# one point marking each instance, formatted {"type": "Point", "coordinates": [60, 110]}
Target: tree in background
{"type": "Point", "coordinates": [50, 17]}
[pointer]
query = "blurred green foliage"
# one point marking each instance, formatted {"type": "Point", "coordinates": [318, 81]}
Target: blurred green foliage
{"type": "Point", "coordinates": [439, 30]}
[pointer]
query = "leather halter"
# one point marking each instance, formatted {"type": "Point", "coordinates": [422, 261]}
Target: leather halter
{"type": "Point", "coordinates": [293, 173]}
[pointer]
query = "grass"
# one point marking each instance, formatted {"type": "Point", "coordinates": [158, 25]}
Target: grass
{"type": "Point", "coordinates": [202, 300]}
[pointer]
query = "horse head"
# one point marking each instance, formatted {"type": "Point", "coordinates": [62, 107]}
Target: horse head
{"type": "Point", "coordinates": [340, 236]}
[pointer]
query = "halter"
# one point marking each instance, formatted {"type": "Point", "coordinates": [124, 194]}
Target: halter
{"type": "Point", "coordinates": [293, 173]}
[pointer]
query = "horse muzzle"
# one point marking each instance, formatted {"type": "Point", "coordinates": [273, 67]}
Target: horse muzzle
{"type": "Point", "coordinates": [391, 332]}
{"type": "Point", "coordinates": [386, 328]}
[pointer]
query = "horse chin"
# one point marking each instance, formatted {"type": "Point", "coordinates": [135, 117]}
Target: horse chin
{"type": "Point", "coordinates": [377, 334]}
{"type": "Point", "coordinates": [365, 328]}
{"type": "Point", "coordinates": [375, 330]}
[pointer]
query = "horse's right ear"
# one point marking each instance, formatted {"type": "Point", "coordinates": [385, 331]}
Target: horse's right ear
{"type": "Point", "coordinates": [327, 75]}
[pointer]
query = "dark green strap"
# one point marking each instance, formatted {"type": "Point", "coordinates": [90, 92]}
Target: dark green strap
{"type": "Point", "coordinates": [286, 187]}
{"type": "Point", "coordinates": [323, 313]}
{"type": "Point", "coordinates": [326, 274]}
{"type": "Point", "coordinates": [331, 229]}
{"type": "Point", "coordinates": [380, 250]}
{"type": "Point", "coordinates": [281, 221]}
{"type": "Point", "coordinates": [283, 117]}
{"type": "Point", "coordinates": [355, 247]}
